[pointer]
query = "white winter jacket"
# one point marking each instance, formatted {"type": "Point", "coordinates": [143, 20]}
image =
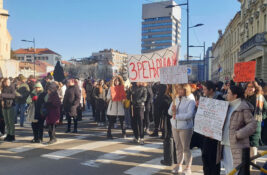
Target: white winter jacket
{"type": "Point", "coordinates": [185, 111]}
{"type": "Point", "coordinates": [115, 108]}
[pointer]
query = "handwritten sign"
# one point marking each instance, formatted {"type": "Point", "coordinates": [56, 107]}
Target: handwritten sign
{"type": "Point", "coordinates": [174, 75]}
{"type": "Point", "coordinates": [118, 93]}
{"type": "Point", "coordinates": [145, 68]}
{"type": "Point", "coordinates": [210, 117]}
{"type": "Point", "coordinates": [245, 71]}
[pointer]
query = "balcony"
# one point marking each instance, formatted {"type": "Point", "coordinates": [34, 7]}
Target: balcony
{"type": "Point", "coordinates": [257, 40]}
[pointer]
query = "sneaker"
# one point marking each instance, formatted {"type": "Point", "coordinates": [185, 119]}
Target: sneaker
{"type": "Point", "coordinates": [142, 142]}
{"type": "Point", "coordinates": [136, 140]}
{"type": "Point", "coordinates": [99, 124]}
{"type": "Point", "coordinates": [187, 171]}
{"type": "Point", "coordinates": [51, 141]}
{"type": "Point", "coordinates": [68, 130]}
{"type": "Point", "coordinates": [177, 169]}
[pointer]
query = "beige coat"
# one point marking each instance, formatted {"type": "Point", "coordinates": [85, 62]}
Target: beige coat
{"type": "Point", "coordinates": [115, 108]}
{"type": "Point", "coordinates": [242, 125]}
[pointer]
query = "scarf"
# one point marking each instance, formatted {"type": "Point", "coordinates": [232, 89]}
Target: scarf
{"type": "Point", "coordinates": [259, 108]}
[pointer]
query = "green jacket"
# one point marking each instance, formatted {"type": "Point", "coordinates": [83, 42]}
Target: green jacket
{"type": "Point", "coordinates": [22, 93]}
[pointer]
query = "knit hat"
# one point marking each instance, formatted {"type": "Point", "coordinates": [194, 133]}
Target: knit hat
{"type": "Point", "coordinates": [38, 85]}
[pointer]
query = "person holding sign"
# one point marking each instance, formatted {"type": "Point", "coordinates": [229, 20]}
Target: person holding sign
{"type": "Point", "coordinates": [182, 111]}
{"type": "Point", "coordinates": [116, 95]}
{"type": "Point", "coordinates": [239, 125]}
{"type": "Point", "coordinates": [210, 157]}
{"type": "Point", "coordinates": [253, 94]}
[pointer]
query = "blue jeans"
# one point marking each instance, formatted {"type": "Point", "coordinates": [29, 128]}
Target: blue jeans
{"type": "Point", "coordinates": [21, 108]}
{"type": "Point", "coordinates": [127, 117]}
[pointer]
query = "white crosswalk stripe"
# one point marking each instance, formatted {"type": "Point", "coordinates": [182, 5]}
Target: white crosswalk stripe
{"type": "Point", "coordinates": [29, 147]}
{"type": "Point", "coordinates": [120, 154]}
{"type": "Point", "coordinates": [81, 148]}
{"type": "Point", "coordinates": [153, 166]}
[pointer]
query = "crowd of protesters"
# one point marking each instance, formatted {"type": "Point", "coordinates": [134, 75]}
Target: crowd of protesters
{"type": "Point", "coordinates": [146, 108]}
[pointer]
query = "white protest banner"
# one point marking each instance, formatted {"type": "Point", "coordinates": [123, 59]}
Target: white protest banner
{"type": "Point", "coordinates": [145, 68]}
{"type": "Point", "coordinates": [210, 117]}
{"type": "Point", "coordinates": [173, 75]}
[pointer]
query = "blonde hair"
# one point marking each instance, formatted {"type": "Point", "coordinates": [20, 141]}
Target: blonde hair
{"type": "Point", "coordinates": [186, 87]}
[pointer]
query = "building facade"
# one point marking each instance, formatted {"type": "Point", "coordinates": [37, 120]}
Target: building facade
{"type": "Point", "coordinates": [8, 67]}
{"type": "Point", "coordinates": [109, 62]}
{"type": "Point", "coordinates": [244, 39]}
{"type": "Point", "coordinates": [41, 68]}
{"type": "Point", "coordinates": [225, 51]}
{"type": "Point", "coordinates": [253, 35]}
{"type": "Point", "coordinates": [160, 26]}
{"type": "Point", "coordinates": [45, 55]}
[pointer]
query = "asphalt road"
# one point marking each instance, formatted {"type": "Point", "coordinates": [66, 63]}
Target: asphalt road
{"type": "Point", "coordinates": [87, 152]}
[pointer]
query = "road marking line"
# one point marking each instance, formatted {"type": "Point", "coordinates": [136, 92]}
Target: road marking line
{"type": "Point", "coordinates": [150, 167]}
{"type": "Point", "coordinates": [59, 141]}
{"type": "Point", "coordinates": [120, 154]}
{"type": "Point", "coordinates": [153, 166]}
{"type": "Point", "coordinates": [81, 148]}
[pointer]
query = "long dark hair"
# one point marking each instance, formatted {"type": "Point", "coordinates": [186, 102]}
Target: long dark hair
{"type": "Point", "coordinates": [4, 82]}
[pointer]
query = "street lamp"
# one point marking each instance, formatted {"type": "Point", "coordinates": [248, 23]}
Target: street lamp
{"type": "Point", "coordinates": [197, 25]}
{"type": "Point", "coordinates": [33, 41]}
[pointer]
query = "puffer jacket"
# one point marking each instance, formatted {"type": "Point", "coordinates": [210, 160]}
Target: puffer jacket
{"type": "Point", "coordinates": [242, 125]}
{"type": "Point", "coordinates": [185, 112]}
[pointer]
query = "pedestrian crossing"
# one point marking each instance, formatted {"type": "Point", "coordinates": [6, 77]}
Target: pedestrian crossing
{"type": "Point", "coordinates": [137, 159]}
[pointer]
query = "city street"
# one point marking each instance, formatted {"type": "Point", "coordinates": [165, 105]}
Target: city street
{"type": "Point", "coordinates": [88, 152]}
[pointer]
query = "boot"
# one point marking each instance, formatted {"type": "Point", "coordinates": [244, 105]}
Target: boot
{"type": "Point", "coordinates": [7, 138]}
{"type": "Point", "coordinates": [69, 125]}
{"type": "Point", "coordinates": [12, 138]}
{"type": "Point", "coordinates": [124, 134]}
{"type": "Point", "coordinates": [75, 125]}
{"type": "Point", "coordinates": [109, 135]}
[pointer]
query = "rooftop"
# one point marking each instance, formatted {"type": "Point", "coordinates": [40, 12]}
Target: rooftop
{"type": "Point", "coordinates": [37, 51]}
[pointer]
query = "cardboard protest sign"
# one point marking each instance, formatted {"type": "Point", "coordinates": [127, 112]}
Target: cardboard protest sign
{"type": "Point", "coordinates": [174, 75]}
{"type": "Point", "coordinates": [245, 71]}
{"type": "Point", "coordinates": [145, 68]}
{"type": "Point", "coordinates": [118, 93]}
{"type": "Point", "coordinates": [210, 117]}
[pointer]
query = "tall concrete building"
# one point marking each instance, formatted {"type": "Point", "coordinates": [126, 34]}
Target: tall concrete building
{"type": "Point", "coordinates": [160, 26]}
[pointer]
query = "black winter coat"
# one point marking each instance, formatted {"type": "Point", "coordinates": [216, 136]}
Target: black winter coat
{"type": "Point", "coordinates": [139, 95]}
{"type": "Point", "coordinates": [38, 105]}
{"type": "Point", "coordinates": [72, 100]}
